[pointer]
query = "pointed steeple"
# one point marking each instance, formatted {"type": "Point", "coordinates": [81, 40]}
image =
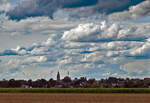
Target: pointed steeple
{"type": "Point", "coordinates": [68, 73]}
{"type": "Point", "coordinates": [58, 76]}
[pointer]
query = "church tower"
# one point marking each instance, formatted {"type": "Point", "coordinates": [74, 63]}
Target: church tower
{"type": "Point", "coordinates": [58, 76]}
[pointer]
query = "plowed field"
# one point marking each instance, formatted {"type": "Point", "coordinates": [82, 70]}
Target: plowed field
{"type": "Point", "coordinates": [73, 98]}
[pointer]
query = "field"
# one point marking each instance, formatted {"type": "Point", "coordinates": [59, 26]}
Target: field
{"type": "Point", "coordinates": [75, 90]}
{"type": "Point", "coordinates": [75, 95]}
{"type": "Point", "coordinates": [73, 98]}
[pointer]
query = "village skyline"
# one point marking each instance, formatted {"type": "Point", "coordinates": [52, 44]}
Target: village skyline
{"type": "Point", "coordinates": [82, 82]}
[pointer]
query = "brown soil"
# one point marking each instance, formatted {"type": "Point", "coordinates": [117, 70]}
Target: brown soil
{"type": "Point", "coordinates": [74, 98]}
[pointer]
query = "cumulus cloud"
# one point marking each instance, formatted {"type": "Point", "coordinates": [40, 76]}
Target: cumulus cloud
{"type": "Point", "coordinates": [39, 24]}
{"type": "Point", "coordinates": [36, 59]}
{"type": "Point", "coordinates": [104, 32]}
{"type": "Point", "coordinates": [82, 31]}
{"type": "Point", "coordinates": [5, 5]}
{"type": "Point", "coordinates": [101, 48]}
{"type": "Point", "coordinates": [137, 67]}
{"type": "Point", "coordinates": [32, 8]}
{"type": "Point", "coordinates": [140, 10]}
{"type": "Point", "coordinates": [142, 51]}
{"type": "Point", "coordinates": [111, 39]}
{"type": "Point", "coordinates": [38, 28]}
{"type": "Point", "coordinates": [47, 7]}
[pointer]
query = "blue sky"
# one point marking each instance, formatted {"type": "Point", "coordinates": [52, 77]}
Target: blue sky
{"type": "Point", "coordinates": [14, 1]}
{"type": "Point", "coordinates": [90, 38]}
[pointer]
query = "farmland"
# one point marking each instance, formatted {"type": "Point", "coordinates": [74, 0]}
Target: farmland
{"type": "Point", "coordinates": [73, 98]}
{"type": "Point", "coordinates": [75, 90]}
{"type": "Point", "coordinates": [75, 95]}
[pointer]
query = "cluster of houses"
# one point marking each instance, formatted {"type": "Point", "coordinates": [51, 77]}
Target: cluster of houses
{"type": "Point", "coordinates": [82, 82]}
{"type": "Point", "coordinates": [111, 82]}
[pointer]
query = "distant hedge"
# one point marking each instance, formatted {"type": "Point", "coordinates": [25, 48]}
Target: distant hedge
{"type": "Point", "coordinates": [75, 90]}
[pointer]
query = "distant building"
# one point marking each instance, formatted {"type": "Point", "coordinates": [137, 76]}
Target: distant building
{"type": "Point", "coordinates": [25, 86]}
{"type": "Point", "coordinates": [59, 82]}
{"type": "Point", "coordinates": [58, 76]}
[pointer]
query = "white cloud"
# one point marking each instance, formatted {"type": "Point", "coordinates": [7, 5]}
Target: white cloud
{"type": "Point", "coordinates": [140, 10]}
{"type": "Point", "coordinates": [35, 25]}
{"type": "Point", "coordinates": [137, 66]}
{"type": "Point", "coordinates": [107, 32]}
{"type": "Point", "coordinates": [38, 28]}
{"type": "Point", "coordinates": [79, 46]}
{"type": "Point", "coordinates": [5, 5]}
{"type": "Point", "coordinates": [82, 31]}
{"type": "Point", "coordinates": [36, 59]}
{"type": "Point", "coordinates": [142, 51]}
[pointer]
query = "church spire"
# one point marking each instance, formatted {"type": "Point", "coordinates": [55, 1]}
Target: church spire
{"type": "Point", "coordinates": [58, 76]}
{"type": "Point", "coordinates": [68, 73]}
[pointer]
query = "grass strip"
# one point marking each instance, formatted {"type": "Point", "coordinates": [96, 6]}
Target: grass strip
{"type": "Point", "coordinates": [75, 90]}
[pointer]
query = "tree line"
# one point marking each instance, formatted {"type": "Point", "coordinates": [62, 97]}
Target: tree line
{"type": "Point", "coordinates": [83, 82]}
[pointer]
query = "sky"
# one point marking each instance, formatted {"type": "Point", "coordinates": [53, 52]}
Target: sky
{"type": "Point", "coordinates": [88, 38]}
